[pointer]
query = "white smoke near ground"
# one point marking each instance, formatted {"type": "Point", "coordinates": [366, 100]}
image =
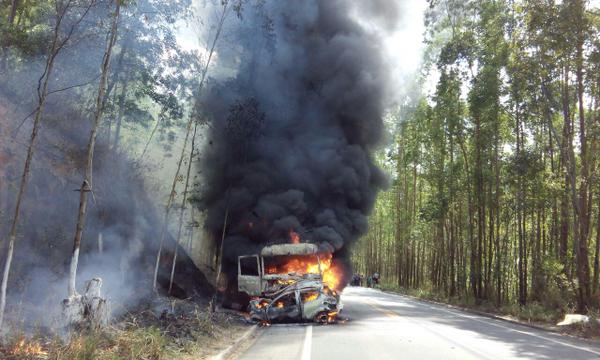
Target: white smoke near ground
{"type": "Point", "coordinates": [122, 210]}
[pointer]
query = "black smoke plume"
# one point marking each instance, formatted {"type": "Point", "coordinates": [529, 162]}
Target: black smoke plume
{"type": "Point", "coordinates": [293, 132]}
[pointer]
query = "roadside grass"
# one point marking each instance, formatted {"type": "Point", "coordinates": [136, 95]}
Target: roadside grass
{"type": "Point", "coordinates": [144, 343]}
{"type": "Point", "coordinates": [547, 313]}
{"type": "Point", "coordinates": [189, 332]}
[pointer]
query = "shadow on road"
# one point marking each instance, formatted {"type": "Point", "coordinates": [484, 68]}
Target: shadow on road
{"type": "Point", "coordinates": [375, 306]}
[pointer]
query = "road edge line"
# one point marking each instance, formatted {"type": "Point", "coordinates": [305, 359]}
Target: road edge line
{"type": "Point", "coordinates": [495, 317]}
{"type": "Point", "coordinates": [228, 351]}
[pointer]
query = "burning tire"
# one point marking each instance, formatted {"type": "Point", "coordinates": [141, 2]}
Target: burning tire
{"type": "Point", "coordinates": [322, 318]}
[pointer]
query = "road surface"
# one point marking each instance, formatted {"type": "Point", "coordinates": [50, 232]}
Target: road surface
{"type": "Point", "coordinates": [384, 326]}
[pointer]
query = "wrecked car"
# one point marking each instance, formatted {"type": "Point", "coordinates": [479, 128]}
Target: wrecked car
{"type": "Point", "coordinates": [286, 284]}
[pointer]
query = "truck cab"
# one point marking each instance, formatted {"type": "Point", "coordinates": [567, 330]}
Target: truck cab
{"type": "Point", "coordinates": [255, 279]}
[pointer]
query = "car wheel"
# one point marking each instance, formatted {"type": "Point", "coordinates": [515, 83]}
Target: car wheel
{"type": "Point", "coordinates": [322, 318]}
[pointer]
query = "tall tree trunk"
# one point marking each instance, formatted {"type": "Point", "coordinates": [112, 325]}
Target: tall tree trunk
{"type": "Point", "coordinates": [399, 215]}
{"type": "Point", "coordinates": [497, 210]}
{"type": "Point", "coordinates": [480, 193]}
{"type": "Point", "coordinates": [597, 252]}
{"type": "Point", "coordinates": [13, 11]}
{"type": "Point", "coordinates": [87, 184]}
{"type": "Point", "coordinates": [165, 222]}
{"type": "Point", "coordinates": [120, 114]}
{"type": "Point", "coordinates": [183, 206]}
{"type": "Point", "coordinates": [583, 270]}
{"type": "Point", "coordinates": [522, 275]}
{"type": "Point", "coordinates": [472, 243]}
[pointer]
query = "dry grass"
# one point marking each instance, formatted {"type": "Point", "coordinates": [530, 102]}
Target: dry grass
{"type": "Point", "coordinates": [187, 331]}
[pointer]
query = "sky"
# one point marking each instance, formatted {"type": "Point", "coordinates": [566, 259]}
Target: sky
{"type": "Point", "coordinates": [403, 47]}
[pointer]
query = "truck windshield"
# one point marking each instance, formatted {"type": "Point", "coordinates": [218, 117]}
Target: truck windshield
{"type": "Point", "coordinates": [305, 264]}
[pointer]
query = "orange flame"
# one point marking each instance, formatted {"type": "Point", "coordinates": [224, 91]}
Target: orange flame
{"type": "Point", "coordinates": [332, 316]}
{"type": "Point", "coordinates": [311, 297]}
{"type": "Point", "coordinates": [332, 275]}
{"type": "Point", "coordinates": [294, 237]}
{"type": "Point", "coordinates": [24, 348]}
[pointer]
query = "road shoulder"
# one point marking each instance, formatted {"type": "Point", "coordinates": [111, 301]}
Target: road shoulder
{"type": "Point", "coordinates": [508, 319]}
{"type": "Point", "coordinates": [239, 345]}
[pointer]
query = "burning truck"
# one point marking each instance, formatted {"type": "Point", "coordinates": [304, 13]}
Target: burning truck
{"type": "Point", "coordinates": [290, 283]}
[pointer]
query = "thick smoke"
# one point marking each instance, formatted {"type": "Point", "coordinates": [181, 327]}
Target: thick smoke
{"type": "Point", "coordinates": [293, 133]}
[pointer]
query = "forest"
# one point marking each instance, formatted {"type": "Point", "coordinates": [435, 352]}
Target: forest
{"type": "Point", "coordinates": [146, 145]}
{"type": "Point", "coordinates": [495, 193]}
{"type": "Point", "coordinates": [98, 153]}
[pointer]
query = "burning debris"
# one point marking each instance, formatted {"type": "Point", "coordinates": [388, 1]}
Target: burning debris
{"type": "Point", "coordinates": [26, 349]}
{"type": "Point", "coordinates": [293, 286]}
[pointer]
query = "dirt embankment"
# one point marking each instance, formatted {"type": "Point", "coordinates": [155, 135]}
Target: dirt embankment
{"type": "Point", "coordinates": [161, 329]}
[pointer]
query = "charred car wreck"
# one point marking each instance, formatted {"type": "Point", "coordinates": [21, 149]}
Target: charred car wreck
{"type": "Point", "coordinates": [280, 295]}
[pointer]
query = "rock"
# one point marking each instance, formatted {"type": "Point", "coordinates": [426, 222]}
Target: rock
{"type": "Point", "coordinates": [571, 319]}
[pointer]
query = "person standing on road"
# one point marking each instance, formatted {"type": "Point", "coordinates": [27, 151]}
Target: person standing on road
{"type": "Point", "coordinates": [375, 279]}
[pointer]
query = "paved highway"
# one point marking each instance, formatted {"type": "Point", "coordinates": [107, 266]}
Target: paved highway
{"type": "Point", "coordinates": [385, 326]}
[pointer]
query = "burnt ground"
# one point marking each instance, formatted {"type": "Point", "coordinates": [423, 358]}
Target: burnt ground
{"type": "Point", "coordinates": [163, 328]}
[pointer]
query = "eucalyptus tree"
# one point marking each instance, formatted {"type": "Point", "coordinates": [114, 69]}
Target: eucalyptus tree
{"type": "Point", "coordinates": [505, 180]}
{"type": "Point", "coordinates": [87, 183]}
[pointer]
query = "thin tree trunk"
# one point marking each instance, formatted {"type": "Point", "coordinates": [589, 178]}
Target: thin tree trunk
{"type": "Point", "coordinates": [583, 267]}
{"type": "Point", "coordinates": [87, 184]}
{"type": "Point", "coordinates": [13, 11]}
{"type": "Point", "coordinates": [472, 243]}
{"type": "Point", "coordinates": [220, 256]}
{"type": "Point", "coordinates": [191, 232]}
{"type": "Point", "coordinates": [597, 252]}
{"type": "Point", "coordinates": [183, 204]}
{"type": "Point", "coordinates": [120, 114]}
{"type": "Point", "coordinates": [163, 230]}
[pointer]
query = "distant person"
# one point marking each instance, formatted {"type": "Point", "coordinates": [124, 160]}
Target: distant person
{"type": "Point", "coordinates": [370, 281]}
{"type": "Point", "coordinates": [376, 278]}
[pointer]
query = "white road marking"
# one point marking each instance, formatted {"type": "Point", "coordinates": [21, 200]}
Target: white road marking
{"type": "Point", "coordinates": [453, 343]}
{"type": "Point", "coordinates": [306, 349]}
{"type": "Point", "coordinates": [491, 322]}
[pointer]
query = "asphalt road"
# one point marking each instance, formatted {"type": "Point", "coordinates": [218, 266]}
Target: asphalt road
{"type": "Point", "coordinates": [385, 326]}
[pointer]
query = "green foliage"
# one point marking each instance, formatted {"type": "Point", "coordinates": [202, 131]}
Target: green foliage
{"type": "Point", "coordinates": [483, 208]}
